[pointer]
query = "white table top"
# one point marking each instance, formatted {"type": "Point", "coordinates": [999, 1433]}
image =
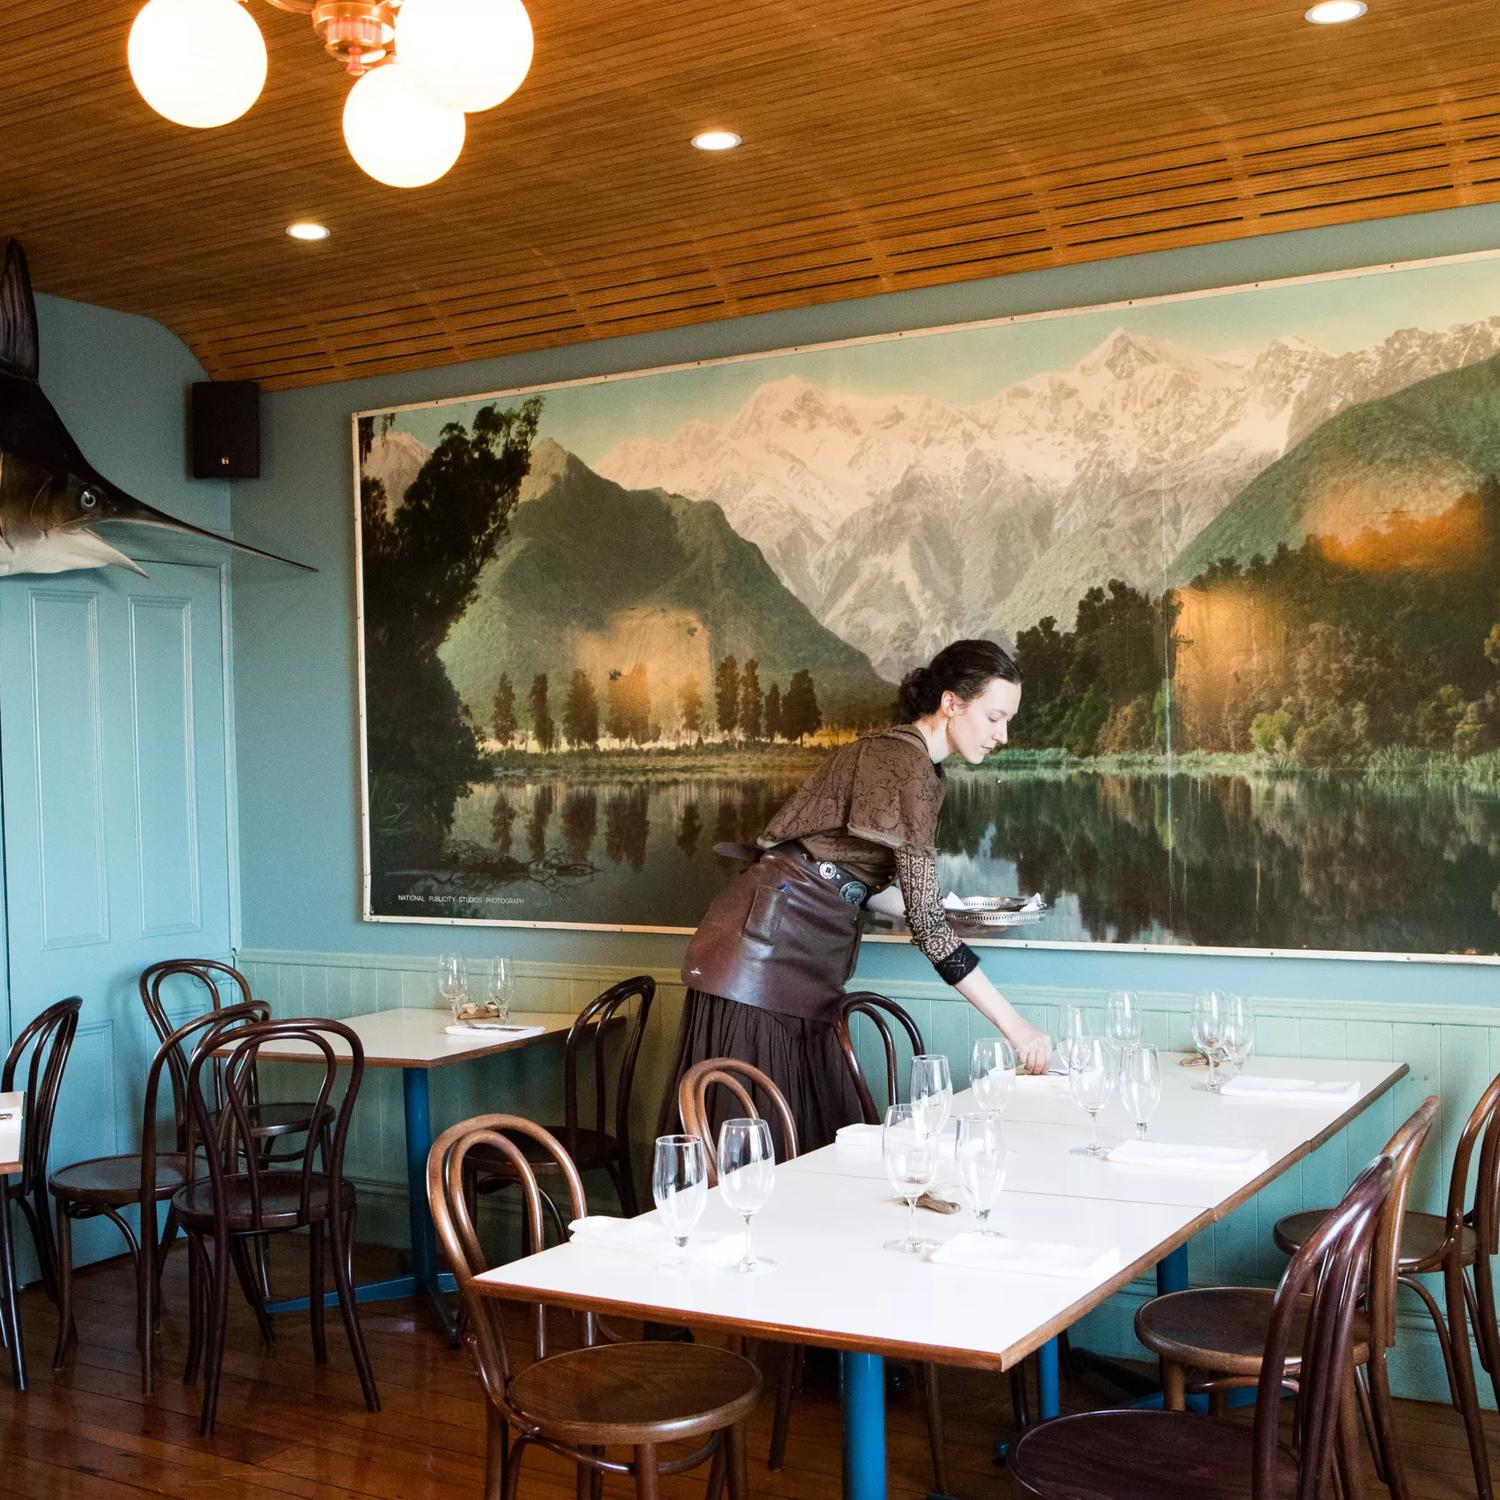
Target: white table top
{"type": "Point", "coordinates": [10, 1132]}
{"type": "Point", "coordinates": [832, 1210]}
{"type": "Point", "coordinates": [413, 1037]}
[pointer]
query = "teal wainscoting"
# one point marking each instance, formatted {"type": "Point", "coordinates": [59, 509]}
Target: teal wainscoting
{"type": "Point", "coordinates": [1452, 1051]}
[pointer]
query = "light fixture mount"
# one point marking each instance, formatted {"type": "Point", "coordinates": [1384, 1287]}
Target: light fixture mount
{"type": "Point", "coordinates": [356, 33]}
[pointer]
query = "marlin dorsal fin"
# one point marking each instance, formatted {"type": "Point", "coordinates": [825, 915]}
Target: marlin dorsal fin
{"type": "Point", "coordinates": [18, 340]}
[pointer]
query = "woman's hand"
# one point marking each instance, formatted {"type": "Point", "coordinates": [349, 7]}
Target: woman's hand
{"type": "Point", "coordinates": [1033, 1046]}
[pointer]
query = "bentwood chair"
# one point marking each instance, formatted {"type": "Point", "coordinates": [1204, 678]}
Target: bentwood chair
{"type": "Point", "coordinates": [582, 1402]}
{"type": "Point", "coordinates": [1138, 1454]}
{"type": "Point", "coordinates": [238, 1196]}
{"type": "Point", "coordinates": [1221, 1331]}
{"type": "Point", "coordinates": [702, 1110]}
{"type": "Point", "coordinates": [1457, 1245]}
{"type": "Point", "coordinates": [105, 1186]}
{"type": "Point", "coordinates": [602, 1145]}
{"type": "Point", "coordinates": [879, 1012]}
{"type": "Point", "coordinates": [40, 1056]}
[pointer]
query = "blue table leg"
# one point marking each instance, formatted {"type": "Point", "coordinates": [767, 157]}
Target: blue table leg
{"type": "Point", "coordinates": [1049, 1381]}
{"type": "Point", "coordinates": [862, 1390]}
{"type": "Point", "coordinates": [1172, 1272]}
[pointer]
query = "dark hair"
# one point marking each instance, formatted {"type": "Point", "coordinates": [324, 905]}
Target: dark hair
{"type": "Point", "coordinates": [962, 667]}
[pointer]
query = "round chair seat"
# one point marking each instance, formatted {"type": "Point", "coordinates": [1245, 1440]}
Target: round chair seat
{"type": "Point", "coordinates": [1141, 1455]}
{"type": "Point", "coordinates": [1422, 1237]}
{"type": "Point", "coordinates": [114, 1180]}
{"type": "Point", "coordinates": [1222, 1329]}
{"type": "Point", "coordinates": [280, 1202]}
{"type": "Point", "coordinates": [273, 1118]}
{"type": "Point", "coordinates": [592, 1146]}
{"type": "Point", "coordinates": [634, 1393]}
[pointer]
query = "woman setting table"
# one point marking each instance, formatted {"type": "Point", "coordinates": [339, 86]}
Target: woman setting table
{"type": "Point", "coordinates": [766, 968]}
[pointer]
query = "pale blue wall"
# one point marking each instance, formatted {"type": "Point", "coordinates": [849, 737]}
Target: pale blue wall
{"type": "Point", "coordinates": [295, 655]}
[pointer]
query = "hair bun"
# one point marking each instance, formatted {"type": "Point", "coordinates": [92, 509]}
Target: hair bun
{"type": "Point", "coordinates": [919, 693]}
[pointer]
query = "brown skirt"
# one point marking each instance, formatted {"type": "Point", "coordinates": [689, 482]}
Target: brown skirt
{"type": "Point", "coordinates": [801, 1057]}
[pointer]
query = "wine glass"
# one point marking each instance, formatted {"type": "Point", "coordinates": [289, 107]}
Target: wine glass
{"type": "Point", "coordinates": [1140, 1084]}
{"type": "Point", "coordinates": [453, 983]}
{"type": "Point", "coordinates": [1208, 1034]}
{"type": "Point", "coordinates": [1123, 1018]}
{"type": "Point", "coordinates": [992, 1073]}
{"type": "Point", "coordinates": [1091, 1081]}
{"type": "Point", "coordinates": [981, 1165]}
{"type": "Point", "coordinates": [932, 1090]}
{"type": "Point", "coordinates": [1239, 1030]}
{"type": "Point", "coordinates": [679, 1184]}
{"type": "Point", "coordinates": [499, 988]}
{"type": "Point", "coordinates": [910, 1150]}
{"type": "Point", "coordinates": [747, 1173]}
{"type": "Point", "coordinates": [1074, 1028]}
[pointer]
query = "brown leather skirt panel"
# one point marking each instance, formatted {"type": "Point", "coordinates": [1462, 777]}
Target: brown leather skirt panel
{"type": "Point", "coordinates": [777, 937]}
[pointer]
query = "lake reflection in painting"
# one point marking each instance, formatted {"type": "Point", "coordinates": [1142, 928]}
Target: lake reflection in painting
{"type": "Point", "coordinates": [1335, 862]}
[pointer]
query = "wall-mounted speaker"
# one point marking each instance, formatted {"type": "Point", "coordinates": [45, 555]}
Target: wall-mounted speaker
{"type": "Point", "coordinates": [226, 429]}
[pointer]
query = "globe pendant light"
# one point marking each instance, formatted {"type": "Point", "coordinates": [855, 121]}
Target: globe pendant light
{"type": "Point", "coordinates": [198, 62]}
{"type": "Point", "coordinates": [396, 133]}
{"type": "Point", "coordinates": [467, 54]}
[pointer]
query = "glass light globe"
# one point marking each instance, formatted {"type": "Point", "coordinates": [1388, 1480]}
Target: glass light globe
{"type": "Point", "coordinates": [397, 133]}
{"type": "Point", "coordinates": [198, 62]}
{"type": "Point", "coordinates": [467, 54]}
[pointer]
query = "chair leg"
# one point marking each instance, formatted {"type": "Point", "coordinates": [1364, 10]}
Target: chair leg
{"type": "Point", "coordinates": [1020, 1405]}
{"type": "Point", "coordinates": [10, 1319]}
{"type": "Point", "coordinates": [1173, 1386]}
{"type": "Point", "coordinates": [168, 1239]}
{"type": "Point", "coordinates": [339, 1228]}
{"type": "Point", "coordinates": [647, 1479]}
{"type": "Point", "coordinates": [1367, 1421]}
{"type": "Point", "coordinates": [241, 1254]}
{"type": "Point", "coordinates": [1463, 1366]}
{"type": "Point", "coordinates": [147, 1292]}
{"type": "Point", "coordinates": [315, 1293]}
{"type": "Point", "coordinates": [781, 1418]}
{"type": "Point", "coordinates": [1486, 1329]}
{"type": "Point", "coordinates": [217, 1306]}
{"type": "Point", "coordinates": [496, 1446]}
{"type": "Point", "coordinates": [197, 1279]}
{"type": "Point", "coordinates": [736, 1460]}
{"type": "Point", "coordinates": [39, 1220]}
{"type": "Point", "coordinates": [932, 1394]}
{"type": "Point", "coordinates": [1392, 1469]}
{"type": "Point", "coordinates": [717, 1471]}
{"type": "Point", "coordinates": [66, 1333]}
{"type": "Point", "coordinates": [1347, 1447]}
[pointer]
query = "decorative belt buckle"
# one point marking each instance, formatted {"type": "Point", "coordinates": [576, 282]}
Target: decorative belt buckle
{"type": "Point", "coordinates": [828, 871]}
{"type": "Point", "coordinates": [853, 891]}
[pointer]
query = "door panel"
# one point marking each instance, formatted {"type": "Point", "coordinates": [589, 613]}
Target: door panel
{"type": "Point", "coordinates": [116, 819]}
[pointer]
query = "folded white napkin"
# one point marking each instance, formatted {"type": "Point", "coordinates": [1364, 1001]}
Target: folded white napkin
{"type": "Point", "coordinates": [1048, 1080]}
{"type": "Point", "coordinates": [987, 1252]}
{"type": "Point", "coordinates": [1169, 1158]}
{"type": "Point", "coordinates": [645, 1236]}
{"type": "Point", "coordinates": [509, 1030]}
{"type": "Point", "coordinates": [1291, 1090]}
{"type": "Point", "coordinates": [871, 1138]}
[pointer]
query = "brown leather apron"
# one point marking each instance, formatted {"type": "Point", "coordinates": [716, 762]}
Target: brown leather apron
{"type": "Point", "coordinates": [778, 936]}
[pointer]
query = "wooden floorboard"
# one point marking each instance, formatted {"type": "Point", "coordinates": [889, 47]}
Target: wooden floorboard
{"type": "Point", "coordinates": [292, 1430]}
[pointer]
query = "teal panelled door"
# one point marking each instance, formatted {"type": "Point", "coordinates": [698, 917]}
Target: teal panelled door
{"type": "Point", "coordinates": [113, 790]}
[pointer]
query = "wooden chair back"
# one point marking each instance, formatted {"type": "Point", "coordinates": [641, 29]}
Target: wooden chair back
{"type": "Point", "coordinates": [1481, 1133]}
{"type": "Point", "coordinates": [743, 1081]}
{"type": "Point", "coordinates": [220, 1099]}
{"type": "Point", "coordinates": [452, 1215]}
{"type": "Point", "coordinates": [875, 1008]}
{"type": "Point", "coordinates": [589, 1033]}
{"type": "Point", "coordinates": [1333, 1262]}
{"type": "Point", "coordinates": [39, 1055]}
{"type": "Point", "coordinates": [154, 978]}
{"type": "Point", "coordinates": [1404, 1148]}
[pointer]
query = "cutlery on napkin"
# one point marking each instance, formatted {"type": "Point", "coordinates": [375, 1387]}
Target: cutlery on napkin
{"type": "Point", "coordinates": [505, 1028]}
{"type": "Point", "coordinates": [648, 1237]}
{"type": "Point", "coordinates": [1169, 1158]}
{"type": "Point", "coordinates": [990, 1252]}
{"type": "Point", "coordinates": [1291, 1090]}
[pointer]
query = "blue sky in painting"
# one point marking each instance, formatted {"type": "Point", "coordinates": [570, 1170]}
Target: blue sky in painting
{"type": "Point", "coordinates": [972, 365]}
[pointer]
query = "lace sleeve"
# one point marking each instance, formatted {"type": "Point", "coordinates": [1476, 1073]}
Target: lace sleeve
{"type": "Point", "coordinates": [916, 874]}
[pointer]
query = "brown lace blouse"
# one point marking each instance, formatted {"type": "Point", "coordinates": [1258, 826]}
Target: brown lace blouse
{"type": "Point", "coordinates": [872, 807]}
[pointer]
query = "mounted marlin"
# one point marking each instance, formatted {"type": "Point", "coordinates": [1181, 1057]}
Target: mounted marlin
{"type": "Point", "coordinates": [50, 495]}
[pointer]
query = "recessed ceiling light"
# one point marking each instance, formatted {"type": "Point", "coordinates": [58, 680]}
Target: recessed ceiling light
{"type": "Point", "coordinates": [716, 140]}
{"type": "Point", "coordinates": [1336, 12]}
{"type": "Point", "coordinates": [305, 229]}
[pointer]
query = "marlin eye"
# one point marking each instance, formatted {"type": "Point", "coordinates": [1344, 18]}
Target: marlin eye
{"type": "Point", "coordinates": [88, 499]}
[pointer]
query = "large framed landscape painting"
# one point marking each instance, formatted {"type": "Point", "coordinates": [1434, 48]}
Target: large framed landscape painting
{"type": "Point", "coordinates": [1245, 544]}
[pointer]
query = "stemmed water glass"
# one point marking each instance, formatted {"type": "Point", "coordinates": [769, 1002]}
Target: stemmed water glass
{"type": "Point", "coordinates": [981, 1165]}
{"type": "Point", "coordinates": [931, 1090]}
{"type": "Point", "coordinates": [909, 1147]}
{"type": "Point", "coordinates": [1091, 1080]}
{"type": "Point", "coordinates": [1074, 1029]}
{"type": "Point", "coordinates": [453, 982]}
{"type": "Point", "coordinates": [1140, 1084]}
{"type": "Point", "coordinates": [1123, 1018]}
{"type": "Point", "coordinates": [499, 988]}
{"type": "Point", "coordinates": [992, 1073]}
{"type": "Point", "coordinates": [1239, 1030]}
{"type": "Point", "coordinates": [679, 1184]}
{"type": "Point", "coordinates": [747, 1173]}
{"type": "Point", "coordinates": [1208, 1035]}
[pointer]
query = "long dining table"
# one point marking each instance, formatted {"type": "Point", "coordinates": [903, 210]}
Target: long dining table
{"type": "Point", "coordinates": [832, 1211]}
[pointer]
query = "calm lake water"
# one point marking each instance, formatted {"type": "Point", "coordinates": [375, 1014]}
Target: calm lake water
{"type": "Point", "coordinates": [1235, 861]}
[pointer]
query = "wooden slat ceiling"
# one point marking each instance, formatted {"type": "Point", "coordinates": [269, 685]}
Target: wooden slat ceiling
{"type": "Point", "coordinates": [888, 145]}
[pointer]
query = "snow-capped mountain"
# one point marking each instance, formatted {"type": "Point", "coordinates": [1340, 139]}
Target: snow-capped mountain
{"type": "Point", "coordinates": [902, 521]}
{"type": "Point", "coordinates": [394, 459]}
